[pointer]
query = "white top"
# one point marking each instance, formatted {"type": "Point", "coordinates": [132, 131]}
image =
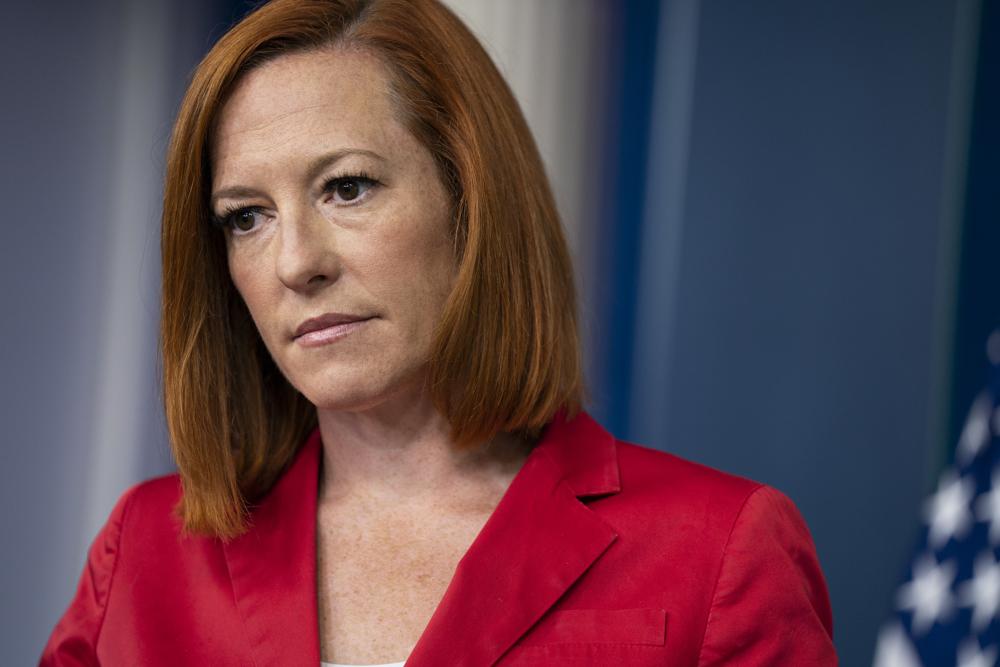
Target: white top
{"type": "Point", "coordinates": [339, 664]}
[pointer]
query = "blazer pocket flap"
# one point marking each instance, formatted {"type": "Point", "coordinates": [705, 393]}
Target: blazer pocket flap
{"type": "Point", "coordinates": [601, 626]}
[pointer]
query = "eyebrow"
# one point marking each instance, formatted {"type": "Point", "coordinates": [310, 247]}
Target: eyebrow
{"type": "Point", "coordinates": [313, 170]}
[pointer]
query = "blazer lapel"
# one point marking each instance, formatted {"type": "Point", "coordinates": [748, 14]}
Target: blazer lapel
{"type": "Point", "coordinates": [539, 540]}
{"type": "Point", "coordinates": [273, 567]}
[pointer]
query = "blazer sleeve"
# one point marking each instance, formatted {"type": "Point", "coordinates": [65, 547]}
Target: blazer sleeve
{"type": "Point", "coordinates": [74, 639]}
{"type": "Point", "coordinates": [770, 605]}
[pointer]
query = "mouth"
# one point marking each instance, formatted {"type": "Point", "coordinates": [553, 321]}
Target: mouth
{"type": "Point", "coordinates": [328, 328]}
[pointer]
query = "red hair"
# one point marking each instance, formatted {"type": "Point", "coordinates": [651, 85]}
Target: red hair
{"type": "Point", "coordinates": [506, 356]}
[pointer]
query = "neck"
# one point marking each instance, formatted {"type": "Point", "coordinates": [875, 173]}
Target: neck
{"type": "Point", "coordinates": [403, 449]}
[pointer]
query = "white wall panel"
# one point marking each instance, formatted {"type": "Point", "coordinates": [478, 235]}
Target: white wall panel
{"type": "Point", "coordinates": [550, 51]}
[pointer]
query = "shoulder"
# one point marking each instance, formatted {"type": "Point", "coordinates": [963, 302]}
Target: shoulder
{"type": "Point", "coordinates": [678, 499]}
{"type": "Point", "coordinates": [727, 507]}
{"type": "Point", "coordinates": [148, 532]}
{"type": "Point", "coordinates": [692, 515]}
{"type": "Point", "coordinates": [664, 482]}
{"type": "Point", "coordinates": [740, 559]}
{"type": "Point", "coordinates": [159, 492]}
{"type": "Point", "coordinates": [156, 559]}
{"type": "Point", "coordinates": [685, 475]}
{"type": "Point", "coordinates": [150, 503]}
{"type": "Point", "coordinates": [752, 548]}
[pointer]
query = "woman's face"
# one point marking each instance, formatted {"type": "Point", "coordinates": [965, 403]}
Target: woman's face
{"type": "Point", "coordinates": [338, 226]}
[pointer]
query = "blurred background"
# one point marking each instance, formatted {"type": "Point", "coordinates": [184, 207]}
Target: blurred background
{"type": "Point", "coordinates": [784, 217]}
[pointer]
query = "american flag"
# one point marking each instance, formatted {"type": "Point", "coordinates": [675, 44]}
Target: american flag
{"type": "Point", "coordinates": [947, 612]}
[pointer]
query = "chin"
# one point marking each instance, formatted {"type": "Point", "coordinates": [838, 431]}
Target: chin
{"type": "Point", "coordinates": [357, 392]}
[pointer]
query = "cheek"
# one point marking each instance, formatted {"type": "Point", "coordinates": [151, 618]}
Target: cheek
{"type": "Point", "coordinates": [252, 289]}
{"type": "Point", "coordinates": [418, 241]}
{"type": "Point", "coordinates": [414, 267]}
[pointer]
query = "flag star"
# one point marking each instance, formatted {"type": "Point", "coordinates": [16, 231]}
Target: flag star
{"type": "Point", "coordinates": [894, 648]}
{"type": "Point", "coordinates": [947, 512]}
{"type": "Point", "coordinates": [982, 592]}
{"type": "Point", "coordinates": [970, 655]}
{"type": "Point", "coordinates": [928, 594]}
{"type": "Point", "coordinates": [988, 507]}
{"type": "Point", "coordinates": [976, 432]}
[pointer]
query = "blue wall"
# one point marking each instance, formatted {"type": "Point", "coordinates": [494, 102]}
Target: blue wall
{"type": "Point", "coordinates": [977, 308]}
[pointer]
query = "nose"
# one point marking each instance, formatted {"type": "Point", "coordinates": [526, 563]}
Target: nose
{"type": "Point", "coordinates": [306, 257]}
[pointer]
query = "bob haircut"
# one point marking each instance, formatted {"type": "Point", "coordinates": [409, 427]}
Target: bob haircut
{"type": "Point", "coordinates": [506, 353]}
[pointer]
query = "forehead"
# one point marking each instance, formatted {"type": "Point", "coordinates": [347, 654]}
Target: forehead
{"type": "Point", "coordinates": [305, 102]}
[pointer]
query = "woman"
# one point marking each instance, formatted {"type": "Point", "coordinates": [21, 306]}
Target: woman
{"type": "Point", "coordinates": [372, 384]}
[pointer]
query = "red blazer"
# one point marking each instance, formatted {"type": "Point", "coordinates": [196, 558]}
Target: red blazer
{"type": "Point", "coordinates": [600, 553]}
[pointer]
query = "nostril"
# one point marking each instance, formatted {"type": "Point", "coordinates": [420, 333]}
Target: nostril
{"type": "Point", "coordinates": [317, 279]}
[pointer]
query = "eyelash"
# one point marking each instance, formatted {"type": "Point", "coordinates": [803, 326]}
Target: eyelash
{"type": "Point", "coordinates": [230, 213]}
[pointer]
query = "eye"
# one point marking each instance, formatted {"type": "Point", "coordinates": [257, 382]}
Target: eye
{"type": "Point", "coordinates": [347, 189]}
{"type": "Point", "coordinates": [241, 220]}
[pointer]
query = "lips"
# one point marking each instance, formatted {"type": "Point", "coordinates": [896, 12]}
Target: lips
{"type": "Point", "coordinates": [327, 328]}
{"type": "Point", "coordinates": [326, 321]}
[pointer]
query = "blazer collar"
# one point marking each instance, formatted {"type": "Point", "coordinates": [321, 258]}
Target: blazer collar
{"type": "Point", "coordinates": [538, 541]}
{"type": "Point", "coordinates": [584, 454]}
